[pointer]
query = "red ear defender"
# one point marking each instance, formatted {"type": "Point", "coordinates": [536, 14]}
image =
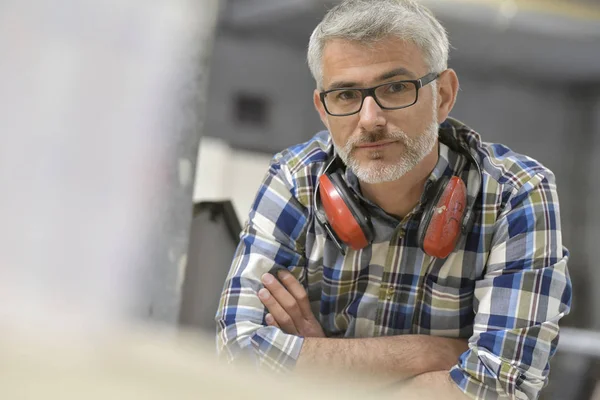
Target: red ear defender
{"type": "Point", "coordinates": [442, 220]}
{"type": "Point", "coordinates": [340, 214]}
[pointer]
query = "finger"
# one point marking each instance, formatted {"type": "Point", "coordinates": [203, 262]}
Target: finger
{"type": "Point", "coordinates": [297, 291]}
{"type": "Point", "coordinates": [277, 312]}
{"type": "Point", "coordinates": [271, 321]}
{"type": "Point", "coordinates": [283, 297]}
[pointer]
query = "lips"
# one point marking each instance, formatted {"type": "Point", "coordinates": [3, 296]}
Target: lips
{"type": "Point", "coordinates": [376, 145]}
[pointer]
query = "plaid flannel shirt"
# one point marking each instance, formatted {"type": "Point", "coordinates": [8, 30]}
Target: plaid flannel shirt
{"type": "Point", "coordinates": [504, 287]}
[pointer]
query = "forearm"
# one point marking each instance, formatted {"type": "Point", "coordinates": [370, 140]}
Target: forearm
{"type": "Point", "coordinates": [394, 357]}
{"type": "Point", "coordinates": [431, 385]}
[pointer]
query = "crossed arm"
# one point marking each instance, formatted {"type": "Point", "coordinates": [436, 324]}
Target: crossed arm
{"type": "Point", "coordinates": [422, 361]}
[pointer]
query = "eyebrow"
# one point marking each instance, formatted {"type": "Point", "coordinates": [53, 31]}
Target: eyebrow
{"type": "Point", "coordinates": [397, 72]}
{"type": "Point", "coordinates": [390, 74]}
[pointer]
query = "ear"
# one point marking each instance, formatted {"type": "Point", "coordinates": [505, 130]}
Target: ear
{"type": "Point", "coordinates": [447, 92]}
{"type": "Point", "coordinates": [320, 108]}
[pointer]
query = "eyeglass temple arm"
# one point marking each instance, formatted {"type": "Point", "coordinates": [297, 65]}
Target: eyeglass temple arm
{"type": "Point", "coordinates": [428, 78]}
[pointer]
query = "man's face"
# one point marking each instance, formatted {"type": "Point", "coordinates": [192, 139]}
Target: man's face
{"type": "Point", "coordinates": [379, 145]}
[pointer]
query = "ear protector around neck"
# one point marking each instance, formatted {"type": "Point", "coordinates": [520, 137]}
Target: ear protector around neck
{"type": "Point", "coordinates": [346, 217]}
{"type": "Point", "coordinates": [446, 215]}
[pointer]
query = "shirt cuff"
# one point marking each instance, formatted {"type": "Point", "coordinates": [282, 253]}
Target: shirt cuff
{"type": "Point", "coordinates": [275, 349]}
{"type": "Point", "coordinates": [492, 379]}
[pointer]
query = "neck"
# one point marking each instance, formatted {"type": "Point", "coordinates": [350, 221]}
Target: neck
{"type": "Point", "coordinates": [399, 197]}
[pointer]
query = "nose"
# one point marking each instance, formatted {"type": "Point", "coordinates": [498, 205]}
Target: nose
{"type": "Point", "coordinates": [371, 115]}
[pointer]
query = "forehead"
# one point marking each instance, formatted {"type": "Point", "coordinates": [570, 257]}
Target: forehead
{"type": "Point", "coordinates": [351, 61]}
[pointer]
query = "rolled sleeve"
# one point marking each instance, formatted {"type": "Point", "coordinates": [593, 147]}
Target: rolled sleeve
{"type": "Point", "coordinates": [267, 347]}
{"type": "Point", "coordinates": [271, 238]}
{"type": "Point", "coordinates": [524, 293]}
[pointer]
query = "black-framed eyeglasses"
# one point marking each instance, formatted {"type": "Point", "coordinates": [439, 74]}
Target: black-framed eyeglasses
{"type": "Point", "coordinates": [389, 96]}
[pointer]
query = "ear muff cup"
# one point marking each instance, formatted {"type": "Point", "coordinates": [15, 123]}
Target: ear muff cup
{"type": "Point", "coordinates": [348, 219]}
{"type": "Point", "coordinates": [441, 223]}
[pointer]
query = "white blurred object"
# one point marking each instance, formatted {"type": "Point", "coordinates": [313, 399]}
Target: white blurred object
{"type": "Point", "coordinates": [225, 173]}
{"type": "Point", "coordinates": [97, 113]}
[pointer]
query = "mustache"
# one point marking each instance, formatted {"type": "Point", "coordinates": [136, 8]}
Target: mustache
{"type": "Point", "coordinates": [376, 136]}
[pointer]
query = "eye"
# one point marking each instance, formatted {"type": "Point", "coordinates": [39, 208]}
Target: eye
{"type": "Point", "coordinates": [347, 95]}
{"type": "Point", "coordinates": [397, 87]}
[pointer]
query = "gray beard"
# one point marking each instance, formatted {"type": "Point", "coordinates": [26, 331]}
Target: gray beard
{"type": "Point", "coordinates": [415, 150]}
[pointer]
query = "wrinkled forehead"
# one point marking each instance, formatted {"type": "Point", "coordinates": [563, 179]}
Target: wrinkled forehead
{"type": "Point", "coordinates": [371, 62]}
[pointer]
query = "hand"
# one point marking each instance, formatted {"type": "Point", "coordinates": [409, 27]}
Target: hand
{"type": "Point", "coordinates": [289, 308]}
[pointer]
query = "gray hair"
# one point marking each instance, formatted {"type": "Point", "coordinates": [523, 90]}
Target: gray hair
{"type": "Point", "coordinates": [368, 21]}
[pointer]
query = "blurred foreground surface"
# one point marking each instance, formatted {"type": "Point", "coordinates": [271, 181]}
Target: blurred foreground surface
{"type": "Point", "coordinates": [145, 363]}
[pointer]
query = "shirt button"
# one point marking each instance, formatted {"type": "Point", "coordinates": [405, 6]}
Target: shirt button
{"type": "Point", "coordinates": [390, 294]}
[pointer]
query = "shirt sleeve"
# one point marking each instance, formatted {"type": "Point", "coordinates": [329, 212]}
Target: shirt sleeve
{"type": "Point", "coordinates": [272, 237]}
{"type": "Point", "coordinates": [525, 291]}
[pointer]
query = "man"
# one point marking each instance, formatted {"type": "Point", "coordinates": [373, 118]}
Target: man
{"type": "Point", "coordinates": [385, 93]}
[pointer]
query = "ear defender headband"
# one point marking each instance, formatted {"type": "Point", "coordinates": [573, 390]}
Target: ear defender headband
{"type": "Point", "coordinates": [448, 214]}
